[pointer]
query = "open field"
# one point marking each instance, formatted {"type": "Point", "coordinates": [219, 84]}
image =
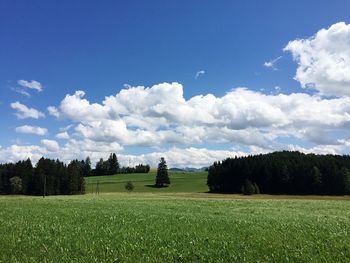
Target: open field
{"type": "Point", "coordinates": [146, 227]}
{"type": "Point", "coordinates": [194, 182]}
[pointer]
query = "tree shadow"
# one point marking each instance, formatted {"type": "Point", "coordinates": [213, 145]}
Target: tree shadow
{"type": "Point", "coordinates": [156, 186]}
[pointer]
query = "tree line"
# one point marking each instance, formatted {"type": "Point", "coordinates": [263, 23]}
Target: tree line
{"type": "Point", "coordinates": [281, 173]}
{"type": "Point", "coordinates": [53, 177]}
{"type": "Point", "coordinates": [48, 177]}
{"type": "Point", "coordinates": [112, 166]}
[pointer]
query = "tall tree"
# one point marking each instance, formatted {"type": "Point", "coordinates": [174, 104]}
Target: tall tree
{"type": "Point", "coordinates": [162, 177]}
{"type": "Point", "coordinates": [99, 170]}
{"type": "Point", "coordinates": [87, 167]}
{"type": "Point", "coordinates": [113, 164]}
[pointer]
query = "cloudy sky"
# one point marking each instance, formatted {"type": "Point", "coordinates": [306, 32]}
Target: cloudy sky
{"type": "Point", "coordinates": [193, 81]}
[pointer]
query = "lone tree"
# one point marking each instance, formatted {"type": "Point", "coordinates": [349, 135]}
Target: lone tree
{"type": "Point", "coordinates": [162, 177]}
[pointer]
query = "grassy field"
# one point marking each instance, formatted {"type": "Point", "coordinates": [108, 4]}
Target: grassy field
{"type": "Point", "coordinates": [146, 227]}
{"type": "Point", "coordinates": [180, 223]}
{"type": "Point", "coordinates": [180, 182]}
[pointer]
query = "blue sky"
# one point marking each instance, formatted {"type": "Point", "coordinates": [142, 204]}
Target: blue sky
{"type": "Point", "coordinates": [103, 47]}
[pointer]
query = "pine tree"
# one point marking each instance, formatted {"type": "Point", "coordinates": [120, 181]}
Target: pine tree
{"type": "Point", "coordinates": [87, 167]}
{"type": "Point", "coordinates": [162, 177]}
{"type": "Point", "coordinates": [100, 167]}
{"type": "Point", "coordinates": [113, 164]}
{"type": "Point", "coordinates": [345, 181]}
{"type": "Point", "coordinates": [316, 180]}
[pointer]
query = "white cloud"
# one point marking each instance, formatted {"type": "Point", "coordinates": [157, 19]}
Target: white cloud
{"type": "Point", "coordinates": [177, 157]}
{"type": "Point", "coordinates": [31, 129]}
{"type": "Point", "coordinates": [77, 108]}
{"type": "Point", "coordinates": [324, 60]}
{"type": "Point", "coordinates": [161, 115]}
{"type": "Point", "coordinates": [24, 112]}
{"type": "Point", "coordinates": [53, 111]}
{"type": "Point", "coordinates": [30, 84]}
{"type": "Point", "coordinates": [198, 73]}
{"type": "Point", "coordinates": [21, 91]}
{"type": "Point", "coordinates": [66, 128]}
{"type": "Point", "coordinates": [271, 63]}
{"type": "Point", "coordinates": [15, 153]}
{"type": "Point", "coordinates": [50, 145]}
{"type": "Point", "coordinates": [80, 149]}
{"type": "Point", "coordinates": [62, 135]}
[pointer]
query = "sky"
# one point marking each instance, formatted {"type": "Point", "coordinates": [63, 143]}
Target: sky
{"type": "Point", "coordinates": [191, 81]}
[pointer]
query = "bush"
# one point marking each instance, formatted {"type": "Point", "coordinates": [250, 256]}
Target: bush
{"type": "Point", "coordinates": [248, 188]}
{"type": "Point", "coordinates": [129, 186]}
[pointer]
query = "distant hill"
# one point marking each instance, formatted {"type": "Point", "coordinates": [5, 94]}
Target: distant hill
{"type": "Point", "coordinates": [188, 169]}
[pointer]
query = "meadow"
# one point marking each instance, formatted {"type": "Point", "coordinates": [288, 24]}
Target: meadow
{"type": "Point", "coordinates": [195, 182]}
{"type": "Point", "coordinates": [169, 226]}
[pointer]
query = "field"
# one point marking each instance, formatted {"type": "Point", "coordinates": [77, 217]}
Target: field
{"type": "Point", "coordinates": [194, 182]}
{"type": "Point", "coordinates": [169, 226]}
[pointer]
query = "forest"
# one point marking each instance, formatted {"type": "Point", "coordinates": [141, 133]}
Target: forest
{"type": "Point", "coordinates": [48, 177]}
{"type": "Point", "coordinates": [282, 173]}
{"type": "Point", "coordinates": [53, 177]}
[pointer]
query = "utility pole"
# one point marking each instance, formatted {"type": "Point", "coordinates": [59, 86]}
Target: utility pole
{"type": "Point", "coordinates": [97, 188]}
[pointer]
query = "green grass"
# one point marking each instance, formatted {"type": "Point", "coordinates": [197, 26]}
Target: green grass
{"type": "Point", "coordinates": [145, 227]}
{"type": "Point", "coordinates": [180, 182]}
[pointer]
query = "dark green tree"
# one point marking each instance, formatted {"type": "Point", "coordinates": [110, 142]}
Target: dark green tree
{"type": "Point", "coordinates": [87, 167]}
{"type": "Point", "coordinates": [73, 170]}
{"type": "Point", "coordinates": [101, 168]}
{"type": "Point", "coordinates": [113, 164]}
{"type": "Point", "coordinates": [162, 177]}
{"type": "Point", "coordinates": [316, 180]}
{"type": "Point", "coordinates": [345, 181]}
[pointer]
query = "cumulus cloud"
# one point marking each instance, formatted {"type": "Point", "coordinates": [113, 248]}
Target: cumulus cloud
{"type": "Point", "coordinates": [177, 157]}
{"type": "Point", "coordinates": [62, 135]}
{"type": "Point", "coordinates": [16, 153]}
{"type": "Point", "coordinates": [324, 60]}
{"type": "Point", "coordinates": [36, 85]}
{"type": "Point", "coordinates": [53, 111]}
{"type": "Point", "coordinates": [198, 73]}
{"type": "Point", "coordinates": [24, 112]}
{"type": "Point", "coordinates": [31, 130]}
{"type": "Point", "coordinates": [271, 64]}
{"type": "Point", "coordinates": [161, 115]}
{"type": "Point", "coordinates": [50, 145]}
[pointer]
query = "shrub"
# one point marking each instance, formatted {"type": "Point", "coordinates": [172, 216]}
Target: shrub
{"type": "Point", "coordinates": [248, 188]}
{"type": "Point", "coordinates": [129, 186]}
{"type": "Point", "coordinates": [16, 185]}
